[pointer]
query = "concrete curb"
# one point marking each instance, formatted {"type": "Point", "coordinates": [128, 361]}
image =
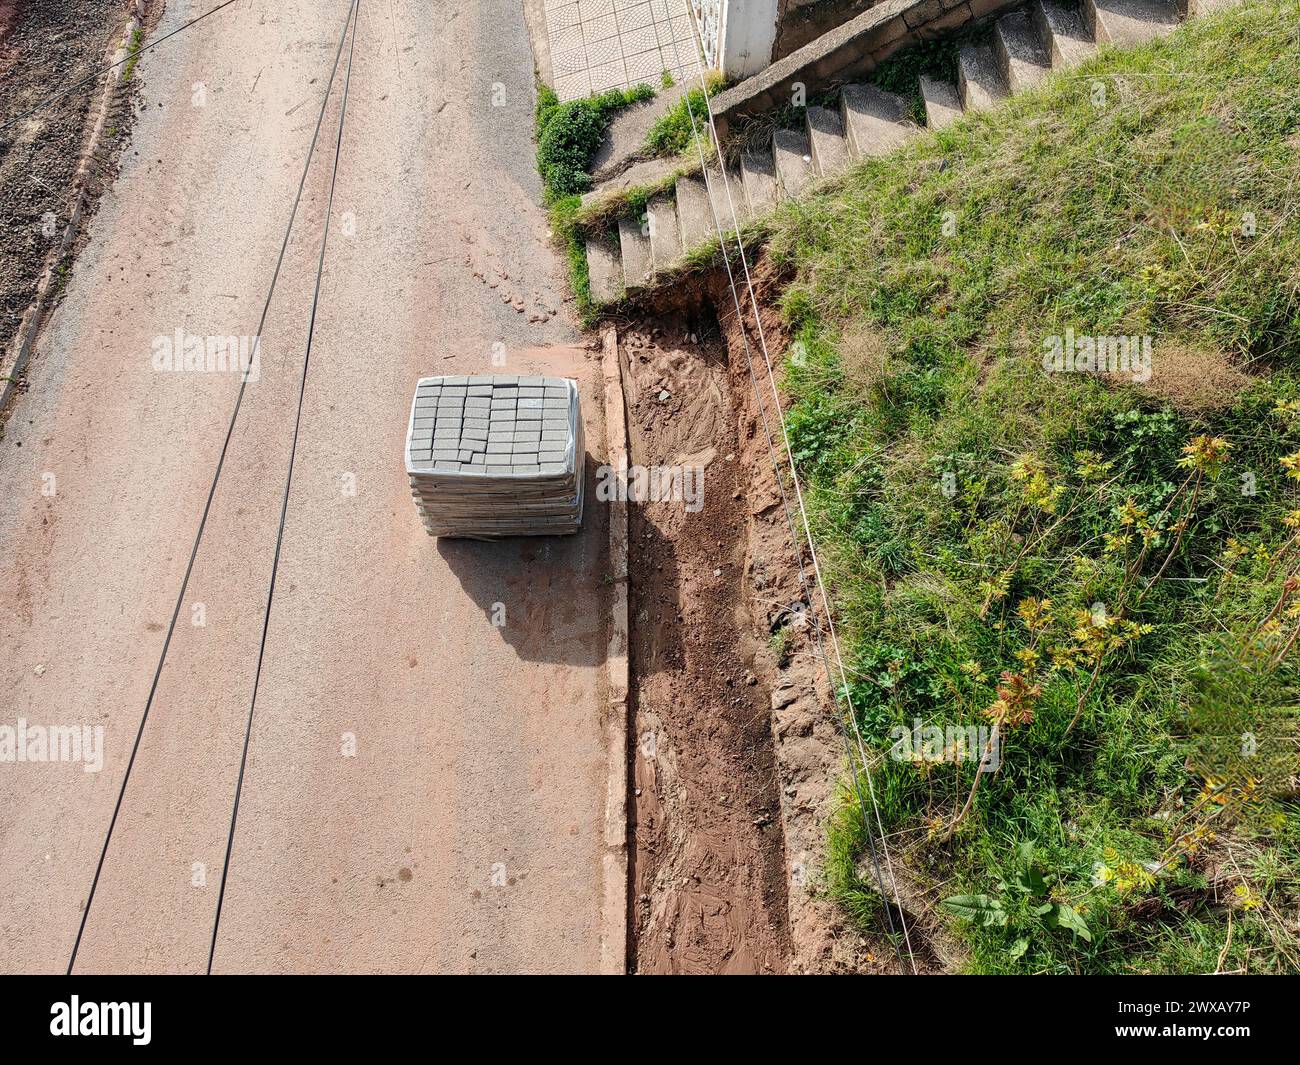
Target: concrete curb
{"type": "Point", "coordinates": [29, 328]}
{"type": "Point", "coordinates": [613, 939]}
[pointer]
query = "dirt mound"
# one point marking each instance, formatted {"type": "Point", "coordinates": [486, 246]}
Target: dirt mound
{"type": "Point", "coordinates": [1194, 379]}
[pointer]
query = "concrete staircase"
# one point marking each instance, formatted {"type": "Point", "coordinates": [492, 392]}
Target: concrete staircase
{"type": "Point", "coordinates": [1017, 52]}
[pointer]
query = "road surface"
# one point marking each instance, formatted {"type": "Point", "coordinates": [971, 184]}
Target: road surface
{"type": "Point", "coordinates": [465, 833]}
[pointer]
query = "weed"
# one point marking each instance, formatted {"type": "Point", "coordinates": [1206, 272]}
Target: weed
{"type": "Point", "coordinates": [133, 53]}
{"type": "Point", "coordinates": [674, 132]}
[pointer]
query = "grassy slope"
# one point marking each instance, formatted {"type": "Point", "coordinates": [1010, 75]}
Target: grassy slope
{"type": "Point", "coordinates": [1114, 202]}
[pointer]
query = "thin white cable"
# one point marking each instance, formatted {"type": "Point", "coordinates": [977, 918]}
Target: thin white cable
{"type": "Point", "coordinates": [794, 475]}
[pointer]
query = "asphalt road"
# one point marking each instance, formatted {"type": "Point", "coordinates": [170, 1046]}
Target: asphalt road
{"type": "Point", "coordinates": [465, 833]}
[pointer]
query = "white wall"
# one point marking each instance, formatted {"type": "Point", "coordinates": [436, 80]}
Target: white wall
{"type": "Point", "coordinates": [738, 34]}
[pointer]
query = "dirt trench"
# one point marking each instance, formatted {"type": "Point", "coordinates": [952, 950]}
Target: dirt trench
{"type": "Point", "coordinates": [734, 752]}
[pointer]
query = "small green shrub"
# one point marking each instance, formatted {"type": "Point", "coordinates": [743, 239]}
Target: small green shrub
{"type": "Point", "coordinates": [569, 135]}
{"type": "Point", "coordinates": [547, 102]}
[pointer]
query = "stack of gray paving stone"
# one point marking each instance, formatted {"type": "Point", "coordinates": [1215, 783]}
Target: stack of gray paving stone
{"type": "Point", "coordinates": [496, 456]}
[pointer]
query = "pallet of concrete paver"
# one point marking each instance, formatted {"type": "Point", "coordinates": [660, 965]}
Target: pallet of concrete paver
{"type": "Point", "coordinates": [496, 456]}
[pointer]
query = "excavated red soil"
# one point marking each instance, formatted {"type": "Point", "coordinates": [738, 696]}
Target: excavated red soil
{"type": "Point", "coordinates": [809, 747]}
{"type": "Point", "coordinates": [708, 867]}
{"type": "Point", "coordinates": [736, 754]}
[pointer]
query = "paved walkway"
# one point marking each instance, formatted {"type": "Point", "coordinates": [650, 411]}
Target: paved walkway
{"type": "Point", "coordinates": [614, 44]}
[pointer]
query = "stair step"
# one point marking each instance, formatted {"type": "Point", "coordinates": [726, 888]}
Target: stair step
{"type": "Point", "coordinates": [875, 121]}
{"type": "Point", "coordinates": [942, 104]}
{"type": "Point", "coordinates": [694, 214]}
{"type": "Point", "coordinates": [729, 198]}
{"type": "Point", "coordinates": [758, 176]}
{"type": "Point", "coordinates": [1127, 23]}
{"type": "Point", "coordinates": [1192, 8]}
{"type": "Point", "coordinates": [793, 157]}
{"type": "Point", "coordinates": [665, 237]}
{"type": "Point", "coordinates": [979, 80]}
{"type": "Point", "coordinates": [635, 246]}
{"type": "Point", "coordinates": [605, 270]}
{"type": "Point", "coordinates": [830, 150]}
{"type": "Point", "coordinates": [1068, 41]}
{"type": "Point", "coordinates": [1022, 57]}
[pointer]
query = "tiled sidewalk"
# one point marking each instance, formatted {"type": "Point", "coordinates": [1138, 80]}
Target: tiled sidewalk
{"type": "Point", "coordinates": [614, 44]}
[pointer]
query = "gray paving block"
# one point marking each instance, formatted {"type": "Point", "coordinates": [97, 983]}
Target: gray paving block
{"type": "Point", "coordinates": [792, 155]}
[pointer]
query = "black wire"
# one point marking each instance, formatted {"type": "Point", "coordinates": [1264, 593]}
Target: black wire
{"type": "Point", "coordinates": [207, 506]}
{"type": "Point", "coordinates": [111, 66]}
{"type": "Point", "coordinates": [288, 484]}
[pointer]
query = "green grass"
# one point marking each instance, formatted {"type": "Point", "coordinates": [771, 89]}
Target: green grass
{"type": "Point", "coordinates": [674, 132]}
{"type": "Point", "coordinates": [133, 53]}
{"type": "Point", "coordinates": [571, 238]}
{"type": "Point", "coordinates": [925, 288]}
